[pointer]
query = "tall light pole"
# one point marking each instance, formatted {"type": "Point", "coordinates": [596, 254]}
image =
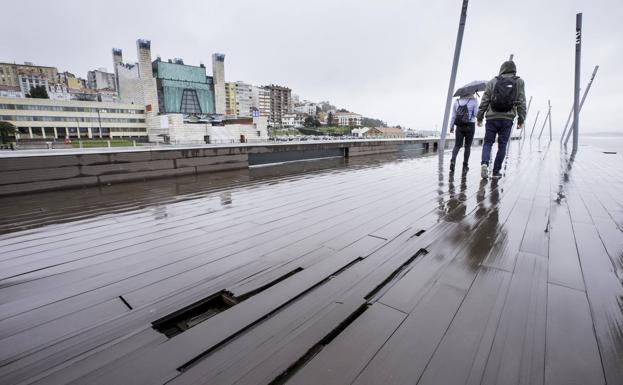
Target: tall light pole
{"type": "Point", "coordinates": [576, 93]}
{"type": "Point", "coordinates": [455, 64]}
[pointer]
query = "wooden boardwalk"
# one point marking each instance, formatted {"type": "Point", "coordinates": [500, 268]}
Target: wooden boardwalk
{"type": "Point", "coordinates": [378, 271]}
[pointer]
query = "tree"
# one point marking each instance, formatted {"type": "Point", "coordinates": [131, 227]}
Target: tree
{"type": "Point", "coordinates": [38, 92]}
{"type": "Point", "coordinates": [310, 121]}
{"type": "Point", "coordinates": [330, 119]}
{"type": "Point", "coordinates": [7, 130]}
{"type": "Point", "coordinates": [371, 122]}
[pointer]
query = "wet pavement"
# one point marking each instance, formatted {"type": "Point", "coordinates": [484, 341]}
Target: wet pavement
{"type": "Point", "coordinates": [372, 270]}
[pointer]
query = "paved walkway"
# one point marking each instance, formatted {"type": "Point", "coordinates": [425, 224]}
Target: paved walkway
{"type": "Point", "coordinates": [371, 272]}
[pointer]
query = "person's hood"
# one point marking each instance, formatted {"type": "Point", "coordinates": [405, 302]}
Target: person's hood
{"type": "Point", "coordinates": [508, 67]}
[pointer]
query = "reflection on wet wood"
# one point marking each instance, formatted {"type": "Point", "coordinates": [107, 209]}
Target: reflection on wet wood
{"type": "Point", "coordinates": [378, 270]}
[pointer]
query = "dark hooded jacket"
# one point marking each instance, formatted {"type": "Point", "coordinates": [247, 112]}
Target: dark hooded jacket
{"type": "Point", "coordinates": [507, 69]}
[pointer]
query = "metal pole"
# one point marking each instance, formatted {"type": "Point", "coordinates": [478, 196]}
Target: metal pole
{"type": "Point", "coordinates": [523, 130]}
{"type": "Point", "coordinates": [576, 94]}
{"type": "Point", "coordinates": [455, 64]}
{"type": "Point", "coordinates": [550, 120]}
{"type": "Point", "coordinates": [564, 131]}
{"type": "Point", "coordinates": [588, 87]}
{"type": "Point", "coordinates": [535, 120]}
{"type": "Point", "coordinates": [544, 123]}
{"type": "Point", "coordinates": [511, 57]}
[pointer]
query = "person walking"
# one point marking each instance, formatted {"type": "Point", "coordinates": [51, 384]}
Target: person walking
{"type": "Point", "coordinates": [463, 119]}
{"type": "Point", "coordinates": [503, 100]}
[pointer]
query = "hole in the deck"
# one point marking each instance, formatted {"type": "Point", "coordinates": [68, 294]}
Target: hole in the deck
{"type": "Point", "coordinates": [394, 276]}
{"type": "Point", "coordinates": [209, 351]}
{"type": "Point", "coordinates": [610, 152]}
{"type": "Point", "coordinates": [193, 314]}
{"type": "Point", "coordinates": [420, 233]}
{"type": "Point", "coordinates": [314, 350]}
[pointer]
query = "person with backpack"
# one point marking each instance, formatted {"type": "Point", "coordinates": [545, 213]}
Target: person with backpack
{"type": "Point", "coordinates": [464, 119]}
{"type": "Point", "coordinates": [503, 100]}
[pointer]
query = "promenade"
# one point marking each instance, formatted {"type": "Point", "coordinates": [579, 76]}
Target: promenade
{"type": "Point", "coordinates": [368, 270]}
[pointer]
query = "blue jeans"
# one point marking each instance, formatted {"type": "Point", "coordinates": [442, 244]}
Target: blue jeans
{"type": "Point", "coordinates": [502, 128]}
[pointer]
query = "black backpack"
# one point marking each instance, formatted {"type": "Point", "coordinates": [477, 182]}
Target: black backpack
{"type": "Point", "coordinates": [504, 94]}
{"type": "Point", "coordinates": [462, 114]}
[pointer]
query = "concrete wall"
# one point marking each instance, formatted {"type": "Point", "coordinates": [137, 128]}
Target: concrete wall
{"type": "Point", "coordinates": [21, 173]}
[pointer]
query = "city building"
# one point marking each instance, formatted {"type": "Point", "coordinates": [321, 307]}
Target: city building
{"type": "Point", "coordinates": [244, 99]}
{"type": "Point", "coordinates": [280, 104]}
{"type": "Point", "coordinates": [137, 85]}
{"type": "Point", "coordinates": [230, 99]}
{"type": "Point", "coordinates": [261, 100]}
{"type": "Point", "coordinates": [183, 88]}
{"type": "Point", "coordinates": [99, 79]}
{"type": "Point", "coordinates": [385, 132]}
{"type": "Point", "coordinates": [56, 119]}
{"type": "Point", "coordinates": [218, 74]}
{"type": "Point", "coordinates": [10, 74]}
{"type": "Point", "coordinates": [349, 119]}
{"type": "Point", "coordinates": [71, 81]}
{"type": "Point", "coordinates": [288, 119]}
{"type": "Point", "coordinates": [306, 107]}
{"type": "Point", "coordinates": [359, 132]}
{"type": "Point", "coordinates": [11, 92]}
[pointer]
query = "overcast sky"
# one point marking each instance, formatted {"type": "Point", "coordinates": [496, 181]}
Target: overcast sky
{"type": "Point", "coordinates": [388, 59]}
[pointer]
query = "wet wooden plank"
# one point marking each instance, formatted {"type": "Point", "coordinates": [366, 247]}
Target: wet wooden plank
{"type": "Point", "coordinates": [572, 356]}
{"type": "Point", "coordinates": [536, 236]}
{"type": "Point", "coordinates": [471, 331]}
{"type": "Point", "coordinates": [564, 263]}
{"type": "Point", "coordinates": [604, 291]}
{"type": "Point", "coordinates": [344, 357]}
{"type": "Point", "coordinates": [15, 345]}
{"type": "Point", "coordinates": [518, 352]}
{"type": "Point", "coordinates": [417, 338]}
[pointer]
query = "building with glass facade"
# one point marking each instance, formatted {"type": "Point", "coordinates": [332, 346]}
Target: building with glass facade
{"type": "Point", "coordinates": [183, 89]}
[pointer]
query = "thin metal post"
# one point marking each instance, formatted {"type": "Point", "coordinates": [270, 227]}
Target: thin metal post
{"type": "Point", "coordinates": [511, 57]}
{"type": "Point", "coordinates": [455, 64]}
{"type": "Point", "coordinates": [588, 87]}
{"type": "Point", "coordinates": [535, 120]}
{"type": "Point", "coordinates": [543, 126]}
{"type": "Point", "coordinates": [576, 94]}
{"type": "Point", "coordinates": [550, 119]}
{"type": "Point", "coordinates": [564, 131]}
{"type": "Point", "coordinates": [523, 130]}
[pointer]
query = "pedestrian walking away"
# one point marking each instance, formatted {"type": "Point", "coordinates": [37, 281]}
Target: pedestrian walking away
{"type": "Point", "coordinates": [463, 120]}
{"type": "Point", "coordinates": [503, 100]}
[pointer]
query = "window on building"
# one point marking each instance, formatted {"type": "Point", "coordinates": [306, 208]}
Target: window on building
{"type": "Point", "coordinates": [190, 102]}
{"type": "Point", "coordinates": [49, 132]}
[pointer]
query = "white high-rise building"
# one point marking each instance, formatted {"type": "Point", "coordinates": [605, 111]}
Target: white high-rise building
{"type": "Point", "coordinates": [261, 100]}
{"type": "Point", "coordinates": [218, 73]}
{"type": "Point", "coordinates": [244, 99]}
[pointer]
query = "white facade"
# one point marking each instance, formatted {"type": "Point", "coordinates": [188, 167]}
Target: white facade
{"type": "Point", "coordinates": [180, 132]}
{"type": "Point", "coordinates": [288, 120]}
{"type": "Point", "coordinates": [306, 107]}
{"type": "Point", "coordinates": [100, 79]}
{"type": "Point", "coordinates": [244, 99]}
{"type": "Point", "coordinates": [347, 119]}
{"type": "Point", "coordinates": [56, 119]}
{"type": "Point", "coordinates": [261, 100]}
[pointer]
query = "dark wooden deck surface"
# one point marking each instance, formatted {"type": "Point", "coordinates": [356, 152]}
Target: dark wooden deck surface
{"type": "Point", "coordinates": [379, 271]}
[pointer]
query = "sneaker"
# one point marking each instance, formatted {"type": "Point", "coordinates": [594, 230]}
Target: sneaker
{"type": "Point", "coordinates": [496, 175]}
{"type": "Point", "coordinates": [484, 171]}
